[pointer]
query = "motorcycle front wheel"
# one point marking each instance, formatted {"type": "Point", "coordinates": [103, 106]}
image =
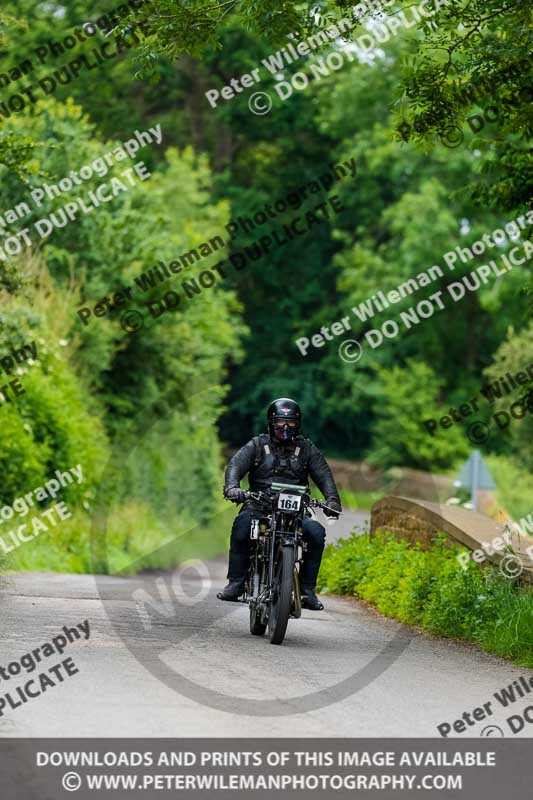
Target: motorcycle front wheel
{"type": "Point", "coordinates": [281, 600]}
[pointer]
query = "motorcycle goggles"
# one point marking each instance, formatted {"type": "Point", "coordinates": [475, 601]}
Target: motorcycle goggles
{"type": "Point", "coordinates": [280, 422]}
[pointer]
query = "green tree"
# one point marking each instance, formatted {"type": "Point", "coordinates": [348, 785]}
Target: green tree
{"type": "Point", "coordinates": [90, 403]}
{"type": "Point", "coordinates": [514, 355]}
{"type": "Point", "coordinates": [405, 398]}
{"type": "Point", "coordinates": [479, 57]}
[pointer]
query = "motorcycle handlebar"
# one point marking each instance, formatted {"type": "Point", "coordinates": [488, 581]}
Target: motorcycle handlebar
{"type": "Point", "coordinates": [324, 507]}
{"type": "Point", "coordinates": [261, 497]}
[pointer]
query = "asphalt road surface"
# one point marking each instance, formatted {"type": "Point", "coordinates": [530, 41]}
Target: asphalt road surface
{"type": "Point", "coordinates": [193, 669]}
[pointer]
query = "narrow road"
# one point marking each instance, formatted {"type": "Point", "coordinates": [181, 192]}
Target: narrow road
{"type": "Point", "coordinates": [356, 521]}
{"type": "Point", "coordinates": [159, 664]}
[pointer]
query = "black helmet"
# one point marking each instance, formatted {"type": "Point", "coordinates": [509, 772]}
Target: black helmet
{"type": "Point", "coordinates": [284, 419]}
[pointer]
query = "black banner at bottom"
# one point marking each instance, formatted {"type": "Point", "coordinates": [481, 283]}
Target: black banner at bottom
{"type": "Point", "coordinates": [54, 769]}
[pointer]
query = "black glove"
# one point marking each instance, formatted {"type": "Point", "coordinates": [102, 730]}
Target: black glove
{"type": "Point", "coordinates": [335, 509]}
{"type": "Point", "coordinates": [236, 495]}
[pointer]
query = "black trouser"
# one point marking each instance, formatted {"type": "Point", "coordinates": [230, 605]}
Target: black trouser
{"type": "Point", "coordinates": [240, 544]}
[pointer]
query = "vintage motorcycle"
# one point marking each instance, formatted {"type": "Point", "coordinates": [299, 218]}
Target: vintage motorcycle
{"type": "Point", "coordinates": [272, 588]}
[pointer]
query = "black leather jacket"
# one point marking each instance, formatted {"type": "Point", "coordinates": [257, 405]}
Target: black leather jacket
{"type": "Point", "coordinates": [294, 463]}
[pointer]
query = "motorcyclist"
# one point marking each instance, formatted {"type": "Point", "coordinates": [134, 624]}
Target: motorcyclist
{"type": "Point", "coordinates": [281, 455]}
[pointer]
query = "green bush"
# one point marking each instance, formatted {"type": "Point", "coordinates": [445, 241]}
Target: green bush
{"type": "Point", "coordinates": [514, 355]}
{"type": "Point", "coordinates": [134, 538]}
{"type": "Point", "coordinates": [48, 428]}
{"type": "Point", "coordinates": [408, 396]}
{"type": "Point", "coordinates": [139, 413]}
{"type": "Point", "coordinates": [430, 588]}
{"type": "Point", "coordinates": [514, 485]}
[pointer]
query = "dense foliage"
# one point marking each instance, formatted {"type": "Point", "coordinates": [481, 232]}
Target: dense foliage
{"type": "Point", "coordinates": [96, 391]}
{"type": "Point", "coordinates": [428, 587]}
{"type": "Point", "coordinates": [92, 392]}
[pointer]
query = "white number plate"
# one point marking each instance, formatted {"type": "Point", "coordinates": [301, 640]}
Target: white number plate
{"type": "Point", "coordinates": [289, 502]}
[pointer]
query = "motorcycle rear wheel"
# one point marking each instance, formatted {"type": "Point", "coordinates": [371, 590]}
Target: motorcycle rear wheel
{"type": "Point", "coordinates": [281, 602]}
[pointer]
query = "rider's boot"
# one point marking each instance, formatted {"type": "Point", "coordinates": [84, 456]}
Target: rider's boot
{"type": "Point", "coordinates": [310, 600]}
{"type": "Point", "coordinates": [232, 591]}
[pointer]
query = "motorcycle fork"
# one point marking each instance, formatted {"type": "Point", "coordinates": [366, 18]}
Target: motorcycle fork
{"type": "Point", "coordinates": [297, 613]}
{"type": "Point", "coordinates": [298, 545]}
{"type": "Point", "coordinates": [272, 554]}
{"type": "Point", "coordinates": [260, 587]}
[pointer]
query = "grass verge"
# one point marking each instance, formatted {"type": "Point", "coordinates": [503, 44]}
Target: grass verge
{"type": "Point", "coordinates": [430, 589]}
{"type": "Point", "coordinates": [132, 538]}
